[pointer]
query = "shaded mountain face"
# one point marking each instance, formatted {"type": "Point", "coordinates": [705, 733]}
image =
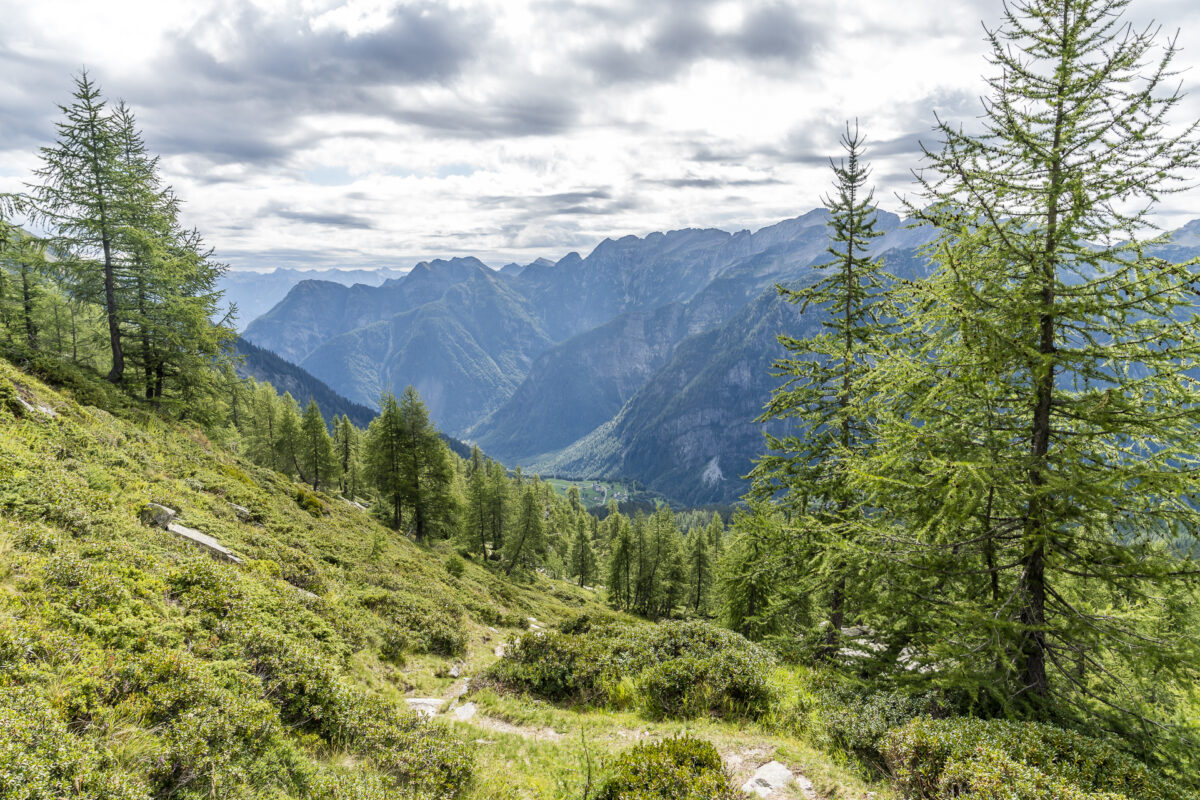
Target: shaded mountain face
{"type": "Point", "coordinates": [263, 365]}
{"type": "Point", "coordinates": [465, 352]}
{"type": "Point", "coordinates": [648, 359]}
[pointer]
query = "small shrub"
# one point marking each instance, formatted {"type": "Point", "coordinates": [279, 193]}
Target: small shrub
{"type": "Point", "coordinates": [41, 758]}
{"type": "Point", "coordinates": [430, 626]}
{"type": "Point", "coordinates": [675, 769]}
{"type": "Point", "coordinates": [679, 669]}
{"type": "Point", "coordinates": [554, 666]}
{"type": "Point", "coordinates": [455, 566]}
{"type": "Point", "coordinates": [34, 538]}
{"type": "Point", "coordinates": [934, 759]}
{"type": "Point", "coordinates": [855, 719]}
{"type": "Point", "coordinates": [310, 502]}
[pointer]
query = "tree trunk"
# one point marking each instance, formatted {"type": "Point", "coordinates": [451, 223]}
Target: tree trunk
{"type": "Point", "coordinates": [27, 307]}
{"type": "Point", "coordinates": [1033, 559]}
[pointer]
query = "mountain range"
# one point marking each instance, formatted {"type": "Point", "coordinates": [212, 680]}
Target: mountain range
{"type": "Point", "coordinates": [254, 293]}
{"type": "Point", "coordinates": [648, 360]}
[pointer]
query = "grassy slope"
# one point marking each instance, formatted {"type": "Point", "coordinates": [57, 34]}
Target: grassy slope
{"type": "Point", "coordinates": [77, 566]}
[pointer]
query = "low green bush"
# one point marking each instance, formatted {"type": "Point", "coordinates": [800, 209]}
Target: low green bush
{"type": "Point", "coordinates": [310, 502]}
{"type": "Point", "coordinates": [40, 758]}
{"type": "Point", "coordinates": [430, 626]}
{"type": "Point", "coordinates": [854, 718]}
{"type": "Point", "coordinates": [729, 681]}
{"type": "Point", "coordinates": [680, 669]}
{"type": "Point", "coordinates": [683, 768]}
{"type": "Point", "coordinates": [993, 759]}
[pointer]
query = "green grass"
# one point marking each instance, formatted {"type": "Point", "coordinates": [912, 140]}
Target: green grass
{"type": "Point", "coordinates": [90, 598]}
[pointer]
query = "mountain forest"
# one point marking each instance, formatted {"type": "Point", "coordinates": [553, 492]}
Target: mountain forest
{"type": "Point", "coordinates": [857, 505]}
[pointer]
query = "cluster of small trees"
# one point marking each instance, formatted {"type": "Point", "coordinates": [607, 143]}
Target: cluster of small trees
{"type": "Point", "coordinates": [115, 279]}
{"type": "Point", "coordinates": [655, 568]}
{"type": "Point", "coordinates": [991, 468]}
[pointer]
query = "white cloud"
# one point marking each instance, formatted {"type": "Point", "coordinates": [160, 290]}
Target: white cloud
{"type": "Point", "coordinates": [370, 132]}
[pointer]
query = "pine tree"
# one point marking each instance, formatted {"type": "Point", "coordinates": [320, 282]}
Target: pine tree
{"type": "Point", "coordinates": [317, 458]}
{"type": "Point", "coordinates": [1039, 437]}
{"type": "Point", "coordinates": [822, 393]}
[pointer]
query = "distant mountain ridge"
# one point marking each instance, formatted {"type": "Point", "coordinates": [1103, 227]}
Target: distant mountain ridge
{"type": "Point", "coordinates": [647, 359]}
{"type": "Point", "coordinates": [255, 293]}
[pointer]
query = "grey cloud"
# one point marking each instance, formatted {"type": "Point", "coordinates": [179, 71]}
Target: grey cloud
{"type": "Point", "coordinates": [518, 115]}
{"type": "Point", "coordinates": [420, 43]}
{"type": "Point", "coordinates": [328, 218]}
{"type": "Point", "coordinates": [710, 183]}
{"type": "Point", "coordinates": [776, 32]}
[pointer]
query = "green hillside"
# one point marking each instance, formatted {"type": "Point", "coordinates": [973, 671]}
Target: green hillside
{"type": "Point", "coordinates": [137, 665]}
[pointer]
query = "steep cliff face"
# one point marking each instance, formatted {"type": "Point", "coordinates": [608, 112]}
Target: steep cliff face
{"type": "Point", "coordinates": [690, 433]}
{"type": "Point", "coordinates": [314, 312]}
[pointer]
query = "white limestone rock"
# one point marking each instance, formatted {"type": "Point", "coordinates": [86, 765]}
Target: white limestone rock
{"type": "Point", "coordinates": [427, 707]}
{"type": "Point", "coordinates": [769, 779]}
{"type": "Point", "coordinates": [203, 540]}
{"type": "Point", "coordinates": [157, 516]}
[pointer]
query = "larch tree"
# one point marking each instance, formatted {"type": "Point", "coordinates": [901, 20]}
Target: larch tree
{"type": "Point", "coordinates": [289, 438]}
{"type": "Point", "coordinates": [583, 557]}
{"type": "Point", "coordinates": [1042, 400]}
{"type": "Point", "coordinates": [525, 544]}
{"type": "Point", "coordinates": [79, 182]}
{"type": "Point", "coordinates": [318, 460]}
{"type": "Point", "coordinates": [822, 395]}
{"type": "Point", "coordinates": [700, 569]}
{"type": "Point", "coordinates": [429, 472]}
{"type": "Point", "coordinates": [383, 458]}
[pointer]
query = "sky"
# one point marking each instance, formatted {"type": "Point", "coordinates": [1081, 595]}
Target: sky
{"type": "Point", "coordinates": [323, 133]}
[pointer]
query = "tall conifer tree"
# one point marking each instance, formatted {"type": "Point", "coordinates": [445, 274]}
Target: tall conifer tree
{"type": "Point", "coordinates": [822, 395]}
{"type": "Point", "coordinates": [1041, 425]}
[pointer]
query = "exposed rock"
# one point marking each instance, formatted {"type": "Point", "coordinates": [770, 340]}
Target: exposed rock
{"type": "Point", "coordinates": [304, 592]}
{"type": "Point", "coordinates": [455, 669]}
{"type": "Point", "coordinates": [199, 539]}
{"type": "Point", "coordinates": [354, 503]}
{"type": "Point", "coordinates": [464, 712]}
{"type": "Point", "coordinates": [242, 512]}
{"type": "Point", "coordinates": [770, 780]}
{"type": "Point", "coordinates": [157, 516]}
{"type": "Point", "coordinates": [31, 408]}
{"type": "Point", "coordinates": [427, 707]}
{"type": "Point", "coordinates": [500, 648]}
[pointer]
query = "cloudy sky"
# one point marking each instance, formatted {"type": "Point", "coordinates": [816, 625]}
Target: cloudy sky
{"type": "Point", "coordinates": [354, 133]}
